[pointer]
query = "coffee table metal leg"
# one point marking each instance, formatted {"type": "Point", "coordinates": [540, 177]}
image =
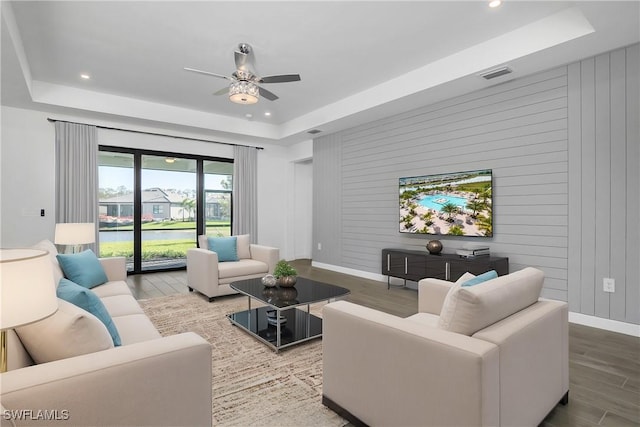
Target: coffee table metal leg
{"type": "Point", "coordinates": [277, 330]}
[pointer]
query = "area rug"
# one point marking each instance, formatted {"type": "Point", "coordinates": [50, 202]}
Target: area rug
{"type": "Point", "coordinates": [252, 385]}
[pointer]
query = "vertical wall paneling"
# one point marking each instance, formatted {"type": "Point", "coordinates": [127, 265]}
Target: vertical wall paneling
{"type": "Point", "coordinates": [574, 252]}
{"type": "Point", "coordinates": [633, 184]}
{"type": "Point", "coordinates": [602, 173]}
{"type": "Point", "coordinates": [618, 200]}
{"type": "Point", "coordinates": [588, 187]}
{"type": "Point", "coordinates": [603, 170]}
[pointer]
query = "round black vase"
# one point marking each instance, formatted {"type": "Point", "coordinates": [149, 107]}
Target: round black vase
{"type": "Point", "coordinates": [434, 247]}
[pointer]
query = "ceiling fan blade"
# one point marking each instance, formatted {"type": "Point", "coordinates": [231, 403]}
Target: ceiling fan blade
{"type": "Point", "coordinates": [268, 95]}
{"type": "Point", "coordinates": [208, 73]}
{"type": "Point", "coordinates": [222, 91]}
{"type": "Point", "coordinates": [280, 79]}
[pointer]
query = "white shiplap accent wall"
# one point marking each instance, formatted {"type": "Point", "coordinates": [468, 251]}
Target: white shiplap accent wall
{"type": "Point", "coordinates": [554, 141]}
{"type": "Point", "coordinates": [518, 129]}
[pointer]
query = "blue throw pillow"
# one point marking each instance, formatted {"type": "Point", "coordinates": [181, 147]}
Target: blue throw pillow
{"type": "Point", "coordinates": [481, 278]}
{"type": "Point", "coordinates": [87, 300]}
{"type": "Point", "coordinates": [83, 268]}
{"type": "Point", "coordinates": [225, 247]}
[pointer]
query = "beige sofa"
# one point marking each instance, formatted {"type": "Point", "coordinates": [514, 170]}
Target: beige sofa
{"type": "Point", "coordinates": [148, 380]}
{"type": "Point", "coordinates": [499, 359]}
{"type": "Point", "coordinates": [212, 278]}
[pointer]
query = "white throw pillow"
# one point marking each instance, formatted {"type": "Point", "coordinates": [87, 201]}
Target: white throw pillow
{"type": "Point", "coordinates": [70, 331]}
{"type": "Point", "coordinates": [451, 301]}
{"type": "Point", "coordinates": [242, 246]}
{"type": "Point", "coordinates": [487, 303]}
{"type": "Point", "coordinates": [47, 245]}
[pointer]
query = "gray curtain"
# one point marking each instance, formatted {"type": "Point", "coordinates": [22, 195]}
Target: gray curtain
{"type": "Point", "coordinates": [245, 192]}
{"type": "Point", "coordinates": [77, 174]}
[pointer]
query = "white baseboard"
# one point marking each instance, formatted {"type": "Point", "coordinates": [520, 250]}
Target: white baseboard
{"type": "Point", "coordinates": [579, 318]}
{"type": "Point", "coordinates": [350, 271]}
{"type": "Point", "coordinates": [607, 324]}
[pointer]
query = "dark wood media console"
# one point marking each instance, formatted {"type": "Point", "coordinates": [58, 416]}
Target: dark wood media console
{"type": "Point", "coordinates": [416, 265]}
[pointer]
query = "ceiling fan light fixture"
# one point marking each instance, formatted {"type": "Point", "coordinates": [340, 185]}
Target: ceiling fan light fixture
{"type": "Point", "coordinates": [243, 92]}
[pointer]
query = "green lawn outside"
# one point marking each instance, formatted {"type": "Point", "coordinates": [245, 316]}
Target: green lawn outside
{"type": "Point", "coordinates": [156, 249]}
{"type": "Point", "coordinates": [153, 249]}
{"type": "Point", "coordinates": [169, 225]}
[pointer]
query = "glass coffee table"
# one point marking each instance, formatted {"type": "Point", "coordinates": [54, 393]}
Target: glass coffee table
{"type": "Point", "coordinates": [283, 321]}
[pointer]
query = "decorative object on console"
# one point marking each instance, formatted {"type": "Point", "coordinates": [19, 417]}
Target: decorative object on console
{"type": "Point", "coordinates": [269, 281]}
{"type": "Point", "coordinates": [285, 274]}
{"type": "Point", "coordinates": [75, 234]}
{"type": "Point", "coordinates": [472, 251]}
{"type": "Point", "coordinates": [434, 247]}
{"type": "Point", "coordinates": [27, 289]}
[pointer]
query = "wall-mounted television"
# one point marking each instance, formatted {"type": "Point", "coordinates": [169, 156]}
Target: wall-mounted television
{"type": "Point", "coordinates": [457, 204]}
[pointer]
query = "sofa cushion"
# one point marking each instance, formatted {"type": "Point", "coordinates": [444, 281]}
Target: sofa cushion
{"type": "Point", "coordinates": [244, 246]}
{"type": "Point", "coordinates": [424, 319]}
{"type": "Point", "coordinates": [70, 331]}
{"type": "Point", "coordinates": [225, 247]}
{"type": "Point", "coordinates": [477, 307]}
{"type": "Point", "coordinates": [244, 267]}
{"type": "Point", "coordinates": [87, 300]}
{"type": "Point", "coordinates": [121, 305]}
{"type": "Point", "coordinates": [451, 301]}
{"type": "Point", "coordinates": [109, 289]}
{"type": "Point", "coordinates": [47, 245]}
{"type": "Point", "coordinates": [83, 268]}
{"type": "Point", "coordinates": [135, 328]}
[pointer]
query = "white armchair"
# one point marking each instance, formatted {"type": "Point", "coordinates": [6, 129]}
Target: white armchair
{"type": "Point", "coordinates": [212, 278]}
{"type": "Point", "coordinates": [503, 359]}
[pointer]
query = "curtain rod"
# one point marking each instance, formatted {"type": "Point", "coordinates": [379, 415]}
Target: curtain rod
{"type": "Point", "coordinates": [155, 134]}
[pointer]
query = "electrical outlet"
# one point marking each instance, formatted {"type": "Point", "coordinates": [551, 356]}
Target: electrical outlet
{"type": "Point", "coordinates": [608, 285]}
{"type": "Point", "coordinates": [319, 246]}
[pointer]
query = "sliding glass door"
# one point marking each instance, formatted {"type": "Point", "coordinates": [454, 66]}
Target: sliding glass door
{"type": "Point", "coordinates": [116, 177]}
{"type": "Point", "coordinates": [154, 204]}
{"type": "Point", "coordinates": [168, 221]}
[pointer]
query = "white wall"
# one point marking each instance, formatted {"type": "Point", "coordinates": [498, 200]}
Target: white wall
{"type": "Point", "coordinates": [27, 176]}
{"type": "Point", "coordinates": [27, 170]}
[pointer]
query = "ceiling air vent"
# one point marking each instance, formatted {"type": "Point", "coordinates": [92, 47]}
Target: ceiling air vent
{"type": "Point", "coordinates": [492, 74]}
{"type": "Point", "coordinates": [314, 131]}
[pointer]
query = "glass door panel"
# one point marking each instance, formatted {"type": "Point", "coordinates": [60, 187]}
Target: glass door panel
{"type": "Point", "coordinates": [168, 218]}
{"type": "Point", "coordinates": [115, 200]}
{"type": "Point", "coordinates": [218, 186]}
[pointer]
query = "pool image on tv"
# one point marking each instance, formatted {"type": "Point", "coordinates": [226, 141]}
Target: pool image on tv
{"type": "Point", "coordinates": [458, 204]}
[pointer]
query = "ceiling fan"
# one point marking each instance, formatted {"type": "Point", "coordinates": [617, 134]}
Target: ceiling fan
{"type": "Point", "coordinates": [244, 87]}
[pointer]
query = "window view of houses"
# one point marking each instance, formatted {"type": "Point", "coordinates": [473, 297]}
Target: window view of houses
{"type": "Point", "coordinates": [168, 207]}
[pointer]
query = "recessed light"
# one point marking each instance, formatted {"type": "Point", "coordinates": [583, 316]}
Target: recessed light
{"type": "Point", "coordinates": [495, 3]}
{"type": "Point", "coordinates": [85, 76]}
{"type": "Point", "coordinates": [248, 115]}
{"type": "Point", "coordinates": [267, 113]}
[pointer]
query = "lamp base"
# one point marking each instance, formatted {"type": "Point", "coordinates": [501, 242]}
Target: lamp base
{"type": "Point", "coordinates": [3, 351]}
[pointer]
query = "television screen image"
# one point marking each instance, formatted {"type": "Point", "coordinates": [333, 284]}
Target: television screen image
{"type": "Point", "coordinates": [457, 204]}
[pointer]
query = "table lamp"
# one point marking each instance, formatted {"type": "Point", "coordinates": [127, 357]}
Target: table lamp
{"type": "Point", "coordinates": [75, 234]}
{"type": "Point", "coordinates": [27, 291]}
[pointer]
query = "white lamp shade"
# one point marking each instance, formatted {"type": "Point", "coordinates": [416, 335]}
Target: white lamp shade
{"type": "Point", "coordinates": [75, 233]}
{"type": "Point", "coordinates": [27, 288]}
